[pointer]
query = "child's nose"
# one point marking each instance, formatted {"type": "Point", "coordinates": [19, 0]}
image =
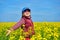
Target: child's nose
{"type": "Point", "coordinates": [27, 12]}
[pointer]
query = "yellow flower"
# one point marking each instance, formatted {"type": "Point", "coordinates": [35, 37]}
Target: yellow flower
{"type": "Point", "coordinates": [44, 39]}
{"type": "Point", "coordinates": [56, 34]}
{"type": "Point", "coordinates": [23, 25]}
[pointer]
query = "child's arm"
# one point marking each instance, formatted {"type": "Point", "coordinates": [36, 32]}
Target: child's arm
{"type": "Point", "coordinates": [16, 26]}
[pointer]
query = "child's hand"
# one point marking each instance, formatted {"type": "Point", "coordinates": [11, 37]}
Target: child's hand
{"type": "Point", "coordinates": [8, 32]}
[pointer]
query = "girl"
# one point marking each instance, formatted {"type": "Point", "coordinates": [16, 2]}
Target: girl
{"type": "Point", "coordinates": [25, 23]}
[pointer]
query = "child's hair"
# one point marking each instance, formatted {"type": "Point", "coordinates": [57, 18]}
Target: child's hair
{"type": "Point", "coordinates": [24, 10]}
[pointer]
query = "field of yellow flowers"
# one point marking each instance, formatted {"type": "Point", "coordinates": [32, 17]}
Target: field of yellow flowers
{"type": "Point", "coordinates": [43, 31]}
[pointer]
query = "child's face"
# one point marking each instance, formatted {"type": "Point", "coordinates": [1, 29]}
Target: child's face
{"type": "Point", "coordinates": [27, 13]}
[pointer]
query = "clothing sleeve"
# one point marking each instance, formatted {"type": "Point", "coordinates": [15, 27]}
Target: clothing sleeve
{"type": "Point", "coordinates": [18, 24]}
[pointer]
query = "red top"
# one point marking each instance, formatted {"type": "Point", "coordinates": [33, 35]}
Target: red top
{"type": "Point", "coordinates": [27, 22]}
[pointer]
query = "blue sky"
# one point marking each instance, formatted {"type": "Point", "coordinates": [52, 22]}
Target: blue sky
{"type": "Point", "coordinates": [41, 10]}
